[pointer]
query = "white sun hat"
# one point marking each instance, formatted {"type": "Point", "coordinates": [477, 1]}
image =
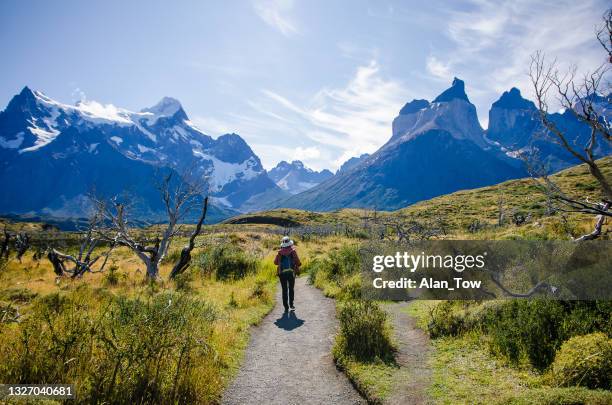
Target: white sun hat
{"type": "Point", "coordinates": [286, 242]}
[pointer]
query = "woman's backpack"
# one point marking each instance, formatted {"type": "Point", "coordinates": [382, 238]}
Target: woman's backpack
{"type": "Point", "coordinates": [286, 262]}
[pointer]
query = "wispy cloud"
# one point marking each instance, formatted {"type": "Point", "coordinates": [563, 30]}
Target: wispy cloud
{"type": "Point", "coordinates": [348, 120]}
{"type": "Point", "coordinates": [492, 42]}
{"type": "Point", "coordinates": [437, 68]}
{"type": "Point", "coordinates": [277, 14]}
{"type": "Point", "coordinates": [305, 154]}
{"type": "Point", "coordinates": [212, 126]}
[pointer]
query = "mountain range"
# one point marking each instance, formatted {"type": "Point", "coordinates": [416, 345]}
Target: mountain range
{"type": "Point", "coordinates": [294, 177]}
{"type": "Point", "coordinates": [439, 147]}
{"type": "Point", "coordinates": [52, 155]}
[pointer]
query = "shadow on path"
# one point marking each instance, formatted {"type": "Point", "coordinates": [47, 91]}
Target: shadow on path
{"type": "Point", "coordinates": [289, 321]}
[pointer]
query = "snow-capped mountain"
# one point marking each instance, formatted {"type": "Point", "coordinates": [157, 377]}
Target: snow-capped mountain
{"type": "Point", "coordinates": [294, 177]}
{"type": "Point", "coordinates": [435, 148]}
{"type": "Point", "coordinates": [352, 162]}
{"type": "Point", "coordinates": [64, 151]}
{"type": "Point", "coordinates": [515, 127]}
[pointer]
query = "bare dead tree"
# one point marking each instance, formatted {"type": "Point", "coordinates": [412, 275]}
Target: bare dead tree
{"type": "Point", "coordinates": [407, 230]}
{"type": "Point", "coordinates": [179, 196]}
{"type": "Point", "coordinates": [604, 34]}
{"type": "Point", "coordinates": [579, 96]}
{"type": "Point", "coordinates": [4, 247]}
{"type": "Point", "coordinates": [185, 258]}
{"type": "Point", "coordinates": [501, 213]}
{"type": "Point", "coordinates": [22, 244]}
{"type": "Point", "coordinates": [85, 259]}
{"type": "Point", "coordinates": [540, 286]}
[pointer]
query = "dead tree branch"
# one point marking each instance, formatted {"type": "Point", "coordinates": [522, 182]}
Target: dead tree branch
{"type": "Point", "coordinates": [185, 258]}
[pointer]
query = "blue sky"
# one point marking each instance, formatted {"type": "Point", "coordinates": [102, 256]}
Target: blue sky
{"type": "Point", "coordinates": [318, 81]}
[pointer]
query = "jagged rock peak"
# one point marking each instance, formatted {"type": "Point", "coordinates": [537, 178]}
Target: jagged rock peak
{"type": "Point", "coordinates": [456, 91]}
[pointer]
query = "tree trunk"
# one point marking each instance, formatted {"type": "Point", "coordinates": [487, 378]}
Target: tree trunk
{"type": "Point", "coordinates": [603, 182]}
{"type": "Point", "coordinates": [152, 270]}
{"type": "Point", "coordinates": [599, 222]}
{"type": "Point", "coordinates": [185, 258]}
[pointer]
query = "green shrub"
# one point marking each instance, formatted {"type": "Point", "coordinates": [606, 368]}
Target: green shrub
{"type": "Point", "coordinates": [112, 277]}
{"type": "Point", "coordinates": [584, 361]}
{"type": "Point", "coordinates": [260, 292]}
{"type": "Point", "coordinates": [226, 262]}
{"type": "Point", "coordinates": [340, 269]}
{"type": "Point", "coordinates": [312, 268]}
{"type": "Point", "coordinates": [562, 396]}
{"type": "Point", "coordinates": [445, 321]}
{"type": "Point", "coordinates": [522, 330]}
{"type": "Point", "coordinates": [350, 287]}
{"type": "Point", "coordinates": [345, 261]}
{"type": "Point", "coordinates": [528, 329]}
{"type": "Point", "coordinates": [364, 333]}
{"type": "Point", "coordinates": [584, 317]}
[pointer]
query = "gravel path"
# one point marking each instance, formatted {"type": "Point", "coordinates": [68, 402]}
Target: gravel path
{"type": "Point", "coordinates": [413, 378]}
{"type": "Point", "coordinates": [288, 360]}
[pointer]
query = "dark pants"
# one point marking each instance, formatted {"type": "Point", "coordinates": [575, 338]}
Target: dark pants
{"type": "Point", "coordinates": [287, 279]}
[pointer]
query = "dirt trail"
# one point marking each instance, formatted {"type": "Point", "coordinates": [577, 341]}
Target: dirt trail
{"type": "Point", "coordinates": [413, 378]}
{"type": "Point", "coordinates": [288, 360]}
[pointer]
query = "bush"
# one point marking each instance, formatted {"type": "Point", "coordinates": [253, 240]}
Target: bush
{"type": "Point", "coordinates": [584, 361]}
{"type": "Point", "coordinates": [182, 282]}
{"type": "Point", "coordinates": [528, 329]}
{"type": "Point", "coordinates": [445, 321]}
{"type": "Point", "coordinates": [338, 274]}
{"type": "Point", "coordinates": [259, 291]}
{"type": "Point", "coordinates": [364, 333]}
{"type": "Point", "coordinates": [226, 262]}
{"type": "Point", "coordinates": [531, 330]}
{"type": "Point", "coordinates": [112, 277]}
{"type": "Point", "coordinates": [115, 350]}
{"type": "Point", "coordinates": [343, 262]}
{"type": "Point", "coordinates": [17, 295]}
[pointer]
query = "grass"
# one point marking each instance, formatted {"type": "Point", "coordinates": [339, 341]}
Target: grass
{"type": "Point", "coordinates": [466, 372]}
{"type": "Point", "coordinates": [27, 284]}
{"type": "Point", "coordinates": [373, 380]}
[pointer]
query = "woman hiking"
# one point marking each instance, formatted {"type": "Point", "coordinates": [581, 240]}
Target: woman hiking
{"type": "Point", "coordinates": [287, 267]}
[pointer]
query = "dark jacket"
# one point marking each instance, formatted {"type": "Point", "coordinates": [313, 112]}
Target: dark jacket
{"type": "Point", "coordinates": [288, 251]}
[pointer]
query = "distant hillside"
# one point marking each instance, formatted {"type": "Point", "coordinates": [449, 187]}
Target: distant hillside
{"type": "Point", "coordinates": [458, 209]}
